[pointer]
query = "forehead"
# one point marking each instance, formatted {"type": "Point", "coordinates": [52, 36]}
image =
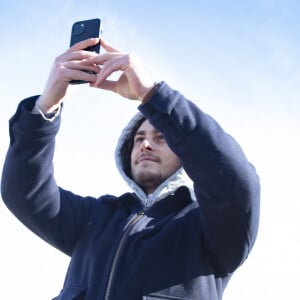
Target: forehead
{"type": "Point", "coordinates": [145, 127]}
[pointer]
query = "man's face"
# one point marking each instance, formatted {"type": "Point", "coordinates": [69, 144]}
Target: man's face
{"type": "Point", "coordinates": [152, 161]}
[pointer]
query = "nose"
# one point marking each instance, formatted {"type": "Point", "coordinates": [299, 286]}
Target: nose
{"type": "Point", "coordinates": [145, 145]}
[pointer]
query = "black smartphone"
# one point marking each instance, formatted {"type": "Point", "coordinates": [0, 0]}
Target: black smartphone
{"type": "Point", "coordinates": [83, 30]}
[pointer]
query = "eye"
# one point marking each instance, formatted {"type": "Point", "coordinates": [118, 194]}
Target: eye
{"type": "Point", "coordinates": [160, 138]}
{"type": "Point", "coordinates": [138, 139]}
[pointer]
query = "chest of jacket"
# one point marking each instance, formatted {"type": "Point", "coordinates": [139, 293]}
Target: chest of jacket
{"type": "Point", "coordinates": [140, 252]}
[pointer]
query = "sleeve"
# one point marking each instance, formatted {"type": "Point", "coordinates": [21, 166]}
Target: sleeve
{"type": "Point", "coordinates": [28, 187]}
{"type": "Point", "coordinates": [225, 183]}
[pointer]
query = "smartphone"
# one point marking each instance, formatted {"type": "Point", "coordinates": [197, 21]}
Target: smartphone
{"type": "Point", "coordinates": [83, 30]}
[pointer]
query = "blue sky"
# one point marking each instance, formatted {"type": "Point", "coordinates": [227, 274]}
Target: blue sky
{"type": "Point", "coordinates": [238, 60]}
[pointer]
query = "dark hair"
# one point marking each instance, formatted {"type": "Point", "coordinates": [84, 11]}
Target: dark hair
{"type": "Point", "coordinates": [125, 151]}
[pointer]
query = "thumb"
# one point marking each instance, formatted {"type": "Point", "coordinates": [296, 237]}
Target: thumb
{"type": "Point", "coordinates": [108, 47]}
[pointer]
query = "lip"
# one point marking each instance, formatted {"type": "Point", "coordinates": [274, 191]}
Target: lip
{"type": "Point", "coordinates": [147, 157]}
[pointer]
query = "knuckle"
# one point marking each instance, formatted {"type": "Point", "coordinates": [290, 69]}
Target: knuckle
{"type": "Point", "coordinates": [60, 70]}
{"type": "Point", "coordinates": [57, 60]}
{"type": "Point", "coordinates": [132, 59]}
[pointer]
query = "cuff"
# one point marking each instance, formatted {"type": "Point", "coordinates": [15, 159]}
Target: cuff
{"type": "Point", "coordinates": [50, 117]}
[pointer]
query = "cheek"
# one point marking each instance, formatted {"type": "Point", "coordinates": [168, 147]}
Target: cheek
{"type": "Point", "coordinates": [175, 163]}
{"type": "Point", "coordinates": [133, 156]}
{"type": "Point", "coordinates": [172, 161]}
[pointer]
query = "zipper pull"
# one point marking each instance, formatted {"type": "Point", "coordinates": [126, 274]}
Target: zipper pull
{"type": "Point", "coordinates": [141, 212]}
{"type": "Point", "coordinates": [147, 202]}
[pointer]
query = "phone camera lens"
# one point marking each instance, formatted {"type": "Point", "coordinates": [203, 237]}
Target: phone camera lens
{"type": "Point", "coordinates": [79, 28]}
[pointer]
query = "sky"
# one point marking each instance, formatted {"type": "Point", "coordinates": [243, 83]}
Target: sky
{"type": "Point", "coordinates": [239, 61]}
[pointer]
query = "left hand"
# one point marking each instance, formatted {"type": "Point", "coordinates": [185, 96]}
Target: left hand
{"type": "Point", "coordinates": [134, 83]}
{"type": "Point", "coordinates": [66, 67]}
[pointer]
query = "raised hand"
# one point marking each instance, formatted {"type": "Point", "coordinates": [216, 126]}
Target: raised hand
{"type": "Point", "coordinates": [133, 83]}
{"type": "Point", "coordinates": [66, 67]}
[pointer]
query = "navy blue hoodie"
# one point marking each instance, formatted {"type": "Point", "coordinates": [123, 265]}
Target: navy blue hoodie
{"type": "Point", "coordinates": [182, 242]}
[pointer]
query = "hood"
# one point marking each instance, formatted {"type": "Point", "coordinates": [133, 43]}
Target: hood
{"type": "Point", "coordinates": [122, 156]}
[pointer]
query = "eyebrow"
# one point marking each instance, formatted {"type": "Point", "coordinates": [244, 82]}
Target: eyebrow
{"type": "Point", "coordinates": [143, 132]}
{"type": "Point", "coordinates": [140, 132]}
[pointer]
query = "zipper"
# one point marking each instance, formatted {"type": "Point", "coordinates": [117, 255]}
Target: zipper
{"type": "Point", "coordinates": [147, 202]}
{"type": "Point", "coordinates": [132, 222]}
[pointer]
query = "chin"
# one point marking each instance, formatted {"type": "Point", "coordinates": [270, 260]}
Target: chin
{"type": "Point", "coordinates": [148, 178]}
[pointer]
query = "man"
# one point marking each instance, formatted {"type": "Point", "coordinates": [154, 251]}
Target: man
{"type": "Point", "coordinates": [167, 239]}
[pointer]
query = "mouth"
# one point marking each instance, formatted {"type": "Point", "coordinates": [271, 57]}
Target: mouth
{"type": "Point", "coordinates": [147, 157]}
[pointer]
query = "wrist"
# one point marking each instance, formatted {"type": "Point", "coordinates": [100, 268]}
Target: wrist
{"type": "Point", "coordinates": [48, 114]}
{"type": "Point", "coordinates": [41, 104]}
{"type": "Point", "coordinates": [150, 92]}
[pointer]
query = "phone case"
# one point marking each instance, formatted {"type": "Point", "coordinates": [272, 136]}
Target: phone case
{"type": "Point", "coordinates": [83, 30]}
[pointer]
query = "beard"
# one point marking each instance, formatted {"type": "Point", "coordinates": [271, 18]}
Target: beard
{"type": "Point", "coordinates": [148, 181]}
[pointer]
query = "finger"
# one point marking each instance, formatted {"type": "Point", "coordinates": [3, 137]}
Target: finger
{"type": "Point", "coordinates": [84, 44]}
{"type": "Point", "coordinates": [108, 47]}
{"type": "Point", "coordinates": [106, 85]}
{"type": "Point", "coordinates": [77, 65]}
{"type": "Point", "coordinates": [81, 75]}
{"type": "Point", "coordinates": [118, 64]}
{"type": "Point", "coordinates": [74, 70]}
{"type": "Point", "coordinates": [103, 58]}
{"type": "Point", "coordinates": [79, 55]}
{"type": "Point", "coordinates": [65, 73]}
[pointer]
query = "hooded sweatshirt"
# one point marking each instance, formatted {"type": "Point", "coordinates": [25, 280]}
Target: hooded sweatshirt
{"type": "Point", "coordinates": [122, 157]}
{"type": "Point", "coordinates": [184, 241]}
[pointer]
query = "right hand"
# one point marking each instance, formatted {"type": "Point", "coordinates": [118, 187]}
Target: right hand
{"type": "Point", "coordinates": [67, 66]}
{"type": "Point", "coordinates": [133, 83]}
